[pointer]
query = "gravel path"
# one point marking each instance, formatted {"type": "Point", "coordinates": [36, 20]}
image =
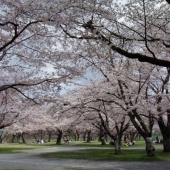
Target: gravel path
{"type": "Point", "coordinates": [30, 160]}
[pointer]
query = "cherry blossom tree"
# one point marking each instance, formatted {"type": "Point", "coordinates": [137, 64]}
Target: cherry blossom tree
{"type": "Point", "coordinates": [31, 52]}
{"type": "Point", "coordinates": [125, 85]}
{"type": "Point", "coordinates": [159, 86]}
{"type": "Point", "coordinates": [130, 30]}
{"type": "Point", "coordinates": [31, 120]}
{"type": "Point", "coordinates": [12, 107]}
{"type": "Point", "coordinates": [99, 114]}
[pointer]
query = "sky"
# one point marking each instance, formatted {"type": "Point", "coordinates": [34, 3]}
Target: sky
{"type": "Point", "coordinates": [85, 80]}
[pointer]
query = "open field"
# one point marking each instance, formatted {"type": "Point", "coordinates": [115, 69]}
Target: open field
{"type": "Point", "coordinates": [97, 151]}
{"type": "Point", "coordinates": [108, 154]}
{"type": "Point", "coordinates": [15, 147]}
{"type": "Point", "coordinates": [93, 151]}
{"type": "Point", "coordinates": [73, 156]}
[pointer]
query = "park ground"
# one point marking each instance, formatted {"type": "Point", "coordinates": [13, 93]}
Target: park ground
{"type": "Point", "coordinates": [32, 159]}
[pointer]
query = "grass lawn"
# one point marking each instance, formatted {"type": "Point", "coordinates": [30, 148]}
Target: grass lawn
{"type": "Point", "coordinates": [98, 152]}
{"type": "Point", "coordinates": [11, 147]}
{"type": "Point", "coordinates": [108, 154]}
{"type": "Point", "coordinates": [139, 143]}
{"type": "Point", "coordinates": [12, 169]}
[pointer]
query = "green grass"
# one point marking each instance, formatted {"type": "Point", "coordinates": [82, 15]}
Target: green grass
{"type": "Point", "coordinates": [75, 168]}
{"type": "Point", "coordinates": [12, 169]}
{"type": "Point", "coordinates": [108, 154]}
{"type": "Point", "coordinates": [98, 152]}
{"type": "Point", "coordinates": [139, 143]}
{"type": "Point", "coordinates": [15, 147]}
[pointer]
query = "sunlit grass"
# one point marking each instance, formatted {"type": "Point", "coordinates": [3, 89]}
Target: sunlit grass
{"type": "Point", "coordinates": [12, 169]}
{"type": "Point", "coordinates": [76, 168]}
{"type": "Point", "coordinates": [15, 147]}
{"type": "Point", "coordinates": [139, 143]}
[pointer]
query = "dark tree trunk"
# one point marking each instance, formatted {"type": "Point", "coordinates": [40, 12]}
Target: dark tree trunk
{"type": "Point", "coordinates": [23, 139]}
{"type": "Point", "coordinates": [168, 1]}
{"type": "Point", "coordinates": [2, 136]}
{"type": "Point", "coordinates": [41, 135]}
{"type": "Point", "coordinates": [165, 131]}
{"type": "Point", "coordinates": [78, 136]}
{"type": "Point", "coordinates": [18, 137]}
{"type": "Point", "coordinates": [49, 137]}
{"type": "Point", "coordinates": [84, 136]}
{"type": "Point", "coordinates": [75, 137]}
{"type": "Point", "coordinates": [35, 137]}
{"type": "Point", "coordinates": [166, 144]}
{"type": "Point", "coordinates": [117, 147]}
{"type": "Point", "coordinates": [13, 138]}
{"type": "Point", "coordinates": [59, 137]}
{"type": "Point", "coordinates": [102, 136]}
{"type": "Point", "coordinates": [89, 136]}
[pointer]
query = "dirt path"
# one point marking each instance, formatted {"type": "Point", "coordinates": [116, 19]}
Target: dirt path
{"type": "Point", "coordinates": [30, 160]}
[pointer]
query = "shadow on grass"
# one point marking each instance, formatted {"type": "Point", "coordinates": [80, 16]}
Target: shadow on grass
{"type": "Point", "coordinates": [108, 155]}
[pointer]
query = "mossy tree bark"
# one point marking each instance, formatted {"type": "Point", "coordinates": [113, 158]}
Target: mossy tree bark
{"type": "Point", "coordinates": [150, 149]}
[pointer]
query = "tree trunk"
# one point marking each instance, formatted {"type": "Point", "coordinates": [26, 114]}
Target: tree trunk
{"type": "Point", "coordinates": [165, 131]}
{"type": "Point", "coordinates": [23, 139]}
{"type": "Point", "coordinates": [59, 137]}
{"type": "Point", "coordinates": [18, 137]}
{"type": "Point", "coordinates": [78, 137]}
{"type": "Point", "coordinates": [166, 143]}
{"type": "Point", "coordinates": [41, 135]}
{"type": "Point", "coordinates": [75, 137]}
{"type": "Point", "coordinates": [84, 136]}
{"type": "Point", "coordinates": [13, 138]}
{"type": "Point", "coordinates": [144, 130]}
{"type": "Point", "coordinates": [49, 137]}
{"type": "Point", "coordinates": [102, 136]}
{"type": "Point", "coordinates": [117, 147]}
{"type": "Point", "coordinates": [150, 149]}
{"type": "Point", "coordinates": [1, 138]}
{"type": "Point", "coordinates": [89, 136]}
{"type": "Point", "coordinates": [103, 141]}
{"type": "Point", "coordinates": [35, 137]}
